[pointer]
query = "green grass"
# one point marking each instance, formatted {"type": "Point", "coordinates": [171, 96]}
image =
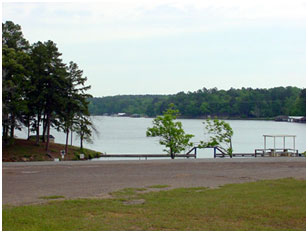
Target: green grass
{"type": "Point", "coordinates": [127, 193]}
{"type": "Point", "coordinates": [51, 197]}
{"type": "Point", "coordinates": [264, 205]}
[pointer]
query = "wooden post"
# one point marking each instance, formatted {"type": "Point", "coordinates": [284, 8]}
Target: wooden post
{"type": "Point", "coordinates": [274, 146]}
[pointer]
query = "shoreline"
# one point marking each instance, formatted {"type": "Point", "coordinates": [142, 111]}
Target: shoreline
{"type": "Point", "coordinates": [157, 161]}
{"type": "Point", "coordinates": [192, 118]}
{"type": "Point", "coordinates": [205, 118]}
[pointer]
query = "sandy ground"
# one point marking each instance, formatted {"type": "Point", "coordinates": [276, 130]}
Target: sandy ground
{"type": "Point", "coordinates": [24, 182]}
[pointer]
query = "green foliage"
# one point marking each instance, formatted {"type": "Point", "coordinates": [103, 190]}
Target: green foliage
{"type": "Point", "coordinates": [269, 205]}
{"type": "Point", "coordinates": [38, 88]}
{"type": "Point", "coordinates": [150, 105]}
{"type": "Point", "coordinates": [304, 154]}
{"type": "Point", "coordinates": [88, 154]}
{"type": "Point", "coordinates": [234, 103]}
{"type": "Point", "coordinates": [84, 128]}
{"type": "Point", "coordinates": [15, 64]}
{"type": "Point", "coordinates": [75, 105]}
{"type": "Point", "coordinates": [221, 135]}
{"type": "Point", "coordinates": [171, 132]}
{"type": "Point", "coordinates": [12, 36]}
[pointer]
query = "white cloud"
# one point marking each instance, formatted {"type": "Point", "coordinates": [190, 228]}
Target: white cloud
{"type": "Point", "coordinates": [115, 19]}
{"type": "Point", "coordinates": [137, 9]}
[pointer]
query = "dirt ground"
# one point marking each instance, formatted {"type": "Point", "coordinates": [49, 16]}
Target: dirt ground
{"type": "Point", "coordinates": [25, 182]}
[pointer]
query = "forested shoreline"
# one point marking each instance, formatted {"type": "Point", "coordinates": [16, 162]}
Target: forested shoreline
{"type": "Point", "coordinates": [243, 103]}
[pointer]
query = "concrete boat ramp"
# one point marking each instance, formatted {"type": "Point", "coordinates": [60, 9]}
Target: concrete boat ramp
{"type": "Point", "coordinates": [24, 182]}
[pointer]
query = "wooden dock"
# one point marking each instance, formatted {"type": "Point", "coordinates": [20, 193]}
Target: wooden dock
{"type": "Point", "coordinates": [236, 155]}
{"type": "Point", "coordinates": [190, 154]}
{"type": "Point", "coordinates": [218, 153]}
{"type": "Point", "coordinates": [264, 153]}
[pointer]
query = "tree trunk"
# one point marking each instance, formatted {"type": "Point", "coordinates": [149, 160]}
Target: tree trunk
{"type": "Point", "coordinates": [12, 126]}
{"type": "Point", "coordinates": [81, 141]}
{"type": "Point", "coordinates": [48, 132]}
{"type": "Point", "coordinates": [71, 137]}
{"type": "Point", "coordinates": [171, 153]}
{"type": "Point", "coordinates": [5, 133]}
{"type": "Point", "coordinates": [44, 128]}
{"type": "Point", "coordinates": [28, 131]}
{"type": "Point", "coordinates": [38, 129]}
{"type": "Point", "coordinates": [66, 143]}
{"type": "Point", "coordinates": [5, 130]}
{"type": "Point", "coordinates": [5, 126]}
{"type": "Point", "coordinates": [28, 126]}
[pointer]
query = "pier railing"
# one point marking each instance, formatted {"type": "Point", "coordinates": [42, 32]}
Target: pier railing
{"type": "Point", "coordinates": [219, 152]}
{"type": "Point", "coordinates": [277, 152]}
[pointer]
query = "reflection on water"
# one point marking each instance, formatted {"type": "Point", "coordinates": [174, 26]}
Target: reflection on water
{"type": "Point", "coordinates": [128, 135]}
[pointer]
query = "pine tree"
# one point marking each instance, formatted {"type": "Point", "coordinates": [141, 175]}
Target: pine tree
{"type": "Point", "coordinates": [15, 61]}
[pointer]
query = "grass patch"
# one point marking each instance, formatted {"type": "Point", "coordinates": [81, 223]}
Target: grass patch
{"type": "Point", "coordinates": [127, 193]}
{"type": "Point", "coordinates": [263, 205]}
{"type": "Point", "coordinates": [159, 186]}
{"type": "Point", "coordinates": [51, 197]}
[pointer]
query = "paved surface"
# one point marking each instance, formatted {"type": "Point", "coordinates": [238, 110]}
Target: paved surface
{"type": "Point", "coordinates": [25, 182]}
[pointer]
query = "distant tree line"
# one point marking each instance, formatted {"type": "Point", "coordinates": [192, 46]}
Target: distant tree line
{"type": "Point", "coordinates": [242, 103]}
{"type": "Point", "coordinates": [38, 89]}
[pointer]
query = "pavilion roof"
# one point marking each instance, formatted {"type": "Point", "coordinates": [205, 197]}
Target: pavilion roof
{"type": "Point", "coordinates": [279, 135]}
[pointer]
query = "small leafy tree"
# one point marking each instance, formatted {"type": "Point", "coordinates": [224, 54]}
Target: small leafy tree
{"type": "Point", "coordinates": [221, 135]}
{"type": "Point", "coordinates": [171, 133]}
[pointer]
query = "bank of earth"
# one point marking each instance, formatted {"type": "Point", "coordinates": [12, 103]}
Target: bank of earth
{"type": "Point", "coordinates": [26, 150]}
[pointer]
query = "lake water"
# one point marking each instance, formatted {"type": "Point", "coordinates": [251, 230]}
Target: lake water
{"type": "Point", "coordinates": [124, 135]}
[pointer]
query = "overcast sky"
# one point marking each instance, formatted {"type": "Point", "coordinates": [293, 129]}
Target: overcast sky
{"type": "Point", "coordinates": [168, 46]}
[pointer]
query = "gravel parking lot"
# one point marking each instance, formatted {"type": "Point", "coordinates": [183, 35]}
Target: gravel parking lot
{"type": "Point", "coordinates": [23, 183]}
